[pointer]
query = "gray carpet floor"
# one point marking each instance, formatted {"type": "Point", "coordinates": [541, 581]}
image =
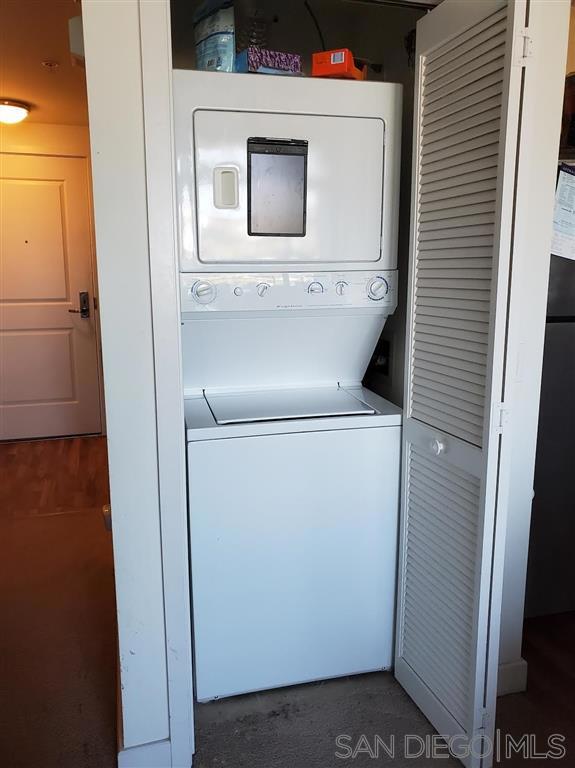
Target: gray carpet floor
{"type": "Point", "coordinates": [297, 727]}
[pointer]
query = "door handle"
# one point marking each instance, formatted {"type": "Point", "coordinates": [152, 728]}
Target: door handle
{"type": "Point", "coordinates": [226, 186]}
{"type": "Point", "coordinates": [84, 310]}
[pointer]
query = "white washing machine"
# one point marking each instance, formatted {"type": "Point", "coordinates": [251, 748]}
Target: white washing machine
{"type": "Point", "coordinates": [287, 239]}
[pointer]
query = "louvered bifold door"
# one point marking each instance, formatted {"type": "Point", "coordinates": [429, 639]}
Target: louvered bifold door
{"type": "Point", "coordinates": [468, 91]}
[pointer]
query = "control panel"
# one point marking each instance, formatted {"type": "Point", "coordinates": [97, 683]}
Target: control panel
{"type": "Point", "coordinates": [225, 292]}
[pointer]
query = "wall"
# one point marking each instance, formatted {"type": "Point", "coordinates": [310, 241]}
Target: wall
{"type": "Point", "coordinates": [570, 66]}
{"type": "Point", "coordinates": [539, 145]}
{"type": "Point", "coordinates": [374, 34]}
{"type": "Point", "coordinates": [550, 574]}
{"type": "Point", "coordinates": [44, 139]}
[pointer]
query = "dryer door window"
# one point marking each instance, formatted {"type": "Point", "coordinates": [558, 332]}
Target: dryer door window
{"type": "Point", "coordinates": [277, 187]}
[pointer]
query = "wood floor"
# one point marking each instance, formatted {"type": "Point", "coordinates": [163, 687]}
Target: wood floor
{"type": "Point", "coordinates": [548, 705]}
{"type": "Point", "coordinates": [57, 607]}
{"type": "Point", "coordinates": [50, 477]}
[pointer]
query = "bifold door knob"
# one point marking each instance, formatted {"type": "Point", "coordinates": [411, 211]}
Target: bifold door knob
{"type": "Point", "coordinates": [438, 447]}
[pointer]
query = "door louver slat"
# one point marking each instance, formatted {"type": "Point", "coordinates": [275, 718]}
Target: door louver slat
{"type": "Point", "coordinates": [458, 314]}
{"type": "Point", "coordinates": [433, 348]}
{"type": "Point", "coordinates": [458, 375]}
{"type": "Point", "coordinates": [479, 214]}
{"type": "Point", "coordinates": [453, 615]}
{"type": "Point", "coordinates": [478, 124]}
{"type": "Point", "coordinates": [481, 44]}
{"type": "Point", "coordinates": [443, 511]}
{"type": "Point", "coordinates": [459, 498]}
{"type": "Point", "coordinates": [432, 299]}
{"type": "Point", "coordinates": [438, 525]}
{"type": "Point", "coordinates": [465, 142]}
{"type": "Point", "coordinates": [460, 241]}
{"type": "Point", "coordinates": [483, 181]}
{"type": "Point", "coordinates": [441, 565]}
{"type": "Point", "coordinates": [445, 90]}
{"type": "Point", "coordinates": [451, 567]}
{"type": "Point", "coordinates": [457, 168]}
{"type": "Point", "coordinates": [441, 649]}
{"type": "Point", "coordinates": [475, 61]}
{"type": "Point", "coordinates": [476, 351]}
{"type": "Point", "coordinates": [451, 498]}
{"type": "Point", "coordinates": [448, 206]}
{"type": "Point", "coordinates": [455, 99]}
{"type": "Point", "coordinates": [458, 597]}
{"type": "Point", "coordinates": [459, 46]}
{"type": "Point", "coordinates": [489, 95]}
{"type": "Point", "coordinates": [448, 424]}
{"type": "Point", "coordinates": [450, 633]}
{"type": "Point", "coordinates": [448, 321]}
{"type": "Point", "coordinates": [459, 334]}
{"type": "Point", "coordinates": [463, 158]}
{"type": "Point", "coordinates": [478, 170]}
{"type": "Point", "coordinates": [469, 294]}
{"type": "Point", "coordinates": [475, 114]}
{"type": "Point", "coordinates": [424, 657]}
{"type": "Point", "coordinates": [436, 382]}
{"type": "Point", "coordinates": [468, 417]}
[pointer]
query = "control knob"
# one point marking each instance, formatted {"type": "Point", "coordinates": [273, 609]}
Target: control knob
{"type": "Point", "coordinates": [262, 288]}
{"type": "Point", "coordinates": [315, 287]}
{"type": "Point", "coordinates": [203, 291]}
{"type": "Point", "coordinates": [340, 287]}
{"type": "Point", "coordinates": [377, 288]}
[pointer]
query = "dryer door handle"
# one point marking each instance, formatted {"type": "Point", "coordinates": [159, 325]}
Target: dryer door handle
{"type": "Point", "coordinates": [226, 186]}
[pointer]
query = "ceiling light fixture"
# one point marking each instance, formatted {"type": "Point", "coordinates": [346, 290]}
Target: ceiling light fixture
{"type": "Point", "coordinates": [13, 111]}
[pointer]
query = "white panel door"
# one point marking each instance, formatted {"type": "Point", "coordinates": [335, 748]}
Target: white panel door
{"type": "Point", "coordinates": [341, 187]}
{"type": "Point", "coordinates": [48, 351]}
{"type": "Point", "coordinates": [468, 90]}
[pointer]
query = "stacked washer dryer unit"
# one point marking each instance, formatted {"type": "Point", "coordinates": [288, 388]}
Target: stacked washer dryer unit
{"type": "Point", "coordinates": [287, 203]}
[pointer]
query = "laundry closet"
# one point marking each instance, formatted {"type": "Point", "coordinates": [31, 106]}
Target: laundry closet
{"type": "Point", "coordinates": [343, 337]}
{"type": "Point", "coordinates": [287, 195]}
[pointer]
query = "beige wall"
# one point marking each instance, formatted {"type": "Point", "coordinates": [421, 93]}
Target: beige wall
{"type": "Point", "coordinates": [44, 139]}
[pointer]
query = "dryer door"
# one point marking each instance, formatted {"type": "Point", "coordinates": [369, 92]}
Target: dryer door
{"type": "Point", "coordinates": [280, 189]}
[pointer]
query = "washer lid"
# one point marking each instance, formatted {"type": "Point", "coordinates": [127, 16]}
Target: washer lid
{"type": "Point", "coordinates": [279, 404]}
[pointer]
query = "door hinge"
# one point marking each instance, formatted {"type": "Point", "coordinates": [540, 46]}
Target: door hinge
{"type": "Point", "coordinates": [524, 47]}
{"type": "Point", "coordinates": [485, 720]}
{"type": "Point", "coordinates": [500, 417]}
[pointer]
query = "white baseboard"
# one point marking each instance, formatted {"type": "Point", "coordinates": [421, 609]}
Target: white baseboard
{"type": "Point", "coordinates": [158, 754]}
{"type": "Point", "coordinates": [512, 677]}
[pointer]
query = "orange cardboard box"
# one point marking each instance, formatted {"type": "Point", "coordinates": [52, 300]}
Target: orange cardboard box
{"type": "Point", "coordinates": [336, 63]}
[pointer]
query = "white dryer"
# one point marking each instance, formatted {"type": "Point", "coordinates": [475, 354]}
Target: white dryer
{"type": "Point", "coordinates": [287, 252]}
